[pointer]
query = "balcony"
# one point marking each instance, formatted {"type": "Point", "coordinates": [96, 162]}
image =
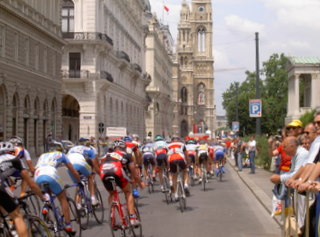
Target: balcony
{"type": "Point", "coordinates": [106, 75]}
{"type": "Point", "coordinates": [83, 74]}
{"type": "Point", "coordinates": [136, 67]}
{"type": "Point", "coordinates": [123, 55]}
{"type": "Point", "coordinates": [87, 36]}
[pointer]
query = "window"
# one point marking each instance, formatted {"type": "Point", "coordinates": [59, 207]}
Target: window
{"type": "Point", "coordinates": [74, 65]}
{"type": "Point", "coordinates": [2, 37]}
{"type": "Point", "coordinates": [184, 95]}
{"type": "Point", "coordinates": [67, 16]}
{"type": "Point", "coordinates": [201, 39]}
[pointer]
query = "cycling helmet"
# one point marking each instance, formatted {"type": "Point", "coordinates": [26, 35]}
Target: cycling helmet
{"type": "Point", "coordinates": [135, 137]}
{"type": "Point", "coordinates": [148, 140]}
{"type": "Point", "coordinates": [202, 142]}
{"type": "Point", "coordinates": [119, 144]}
{"type": "Point", "coordinates": [175, 139]}
{"type": "Point", "coordinates": [84, 141]}
{"type": "Point", "coordinates": [191, 142]}
{"type": "Point", "coordinates": [16, 141]}
{"type": "Point", "coordinates": [55, 146]}
{"type": "Point", "coordinates": [158, 138]}
{"type": "Point", "coordinates": [6, 147]}
{"type": "Point", "coordinates": [127, 139]}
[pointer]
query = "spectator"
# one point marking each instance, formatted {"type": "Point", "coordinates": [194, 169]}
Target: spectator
{"type": "Point", "coordinates": [299, 158]}
{"type": "Point", "coordinates": [252, 147]}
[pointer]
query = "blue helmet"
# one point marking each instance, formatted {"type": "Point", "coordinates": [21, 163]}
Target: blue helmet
{"type": "Point", "coordinates": [127, 139]}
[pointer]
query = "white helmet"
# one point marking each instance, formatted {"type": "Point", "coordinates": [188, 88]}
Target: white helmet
{"type": "Point", "coordinates": [6, 147]}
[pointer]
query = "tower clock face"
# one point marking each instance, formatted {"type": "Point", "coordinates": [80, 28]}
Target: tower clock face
{"type": "Point", "coordinates": [201, 9]}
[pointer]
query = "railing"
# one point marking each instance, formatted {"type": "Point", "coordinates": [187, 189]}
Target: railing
{"type": "Point", "coordinates": [87, 36]}
{"type": "Point", "coordinates": [83, 74]}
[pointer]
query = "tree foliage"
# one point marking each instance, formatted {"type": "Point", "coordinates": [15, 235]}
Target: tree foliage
{"type": "Point", "coordinates": [274, 91]}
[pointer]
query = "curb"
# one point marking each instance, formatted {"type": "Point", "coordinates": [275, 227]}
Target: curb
{"type": "Point", "coordinates": [256, 191]}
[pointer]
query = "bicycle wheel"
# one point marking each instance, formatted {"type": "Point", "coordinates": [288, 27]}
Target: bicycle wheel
{"type": "Point", "coordinates": [115, 222]}
{"type": "Point", "coordinates": [149, 183]}
{"type": "Point", "coordinates": [74, 217]}
{"type": "Point", "coordinates": [84, 212]}
{"type": "Point", "coordinates": [137, 230]}
{"type": "Point", "coordinates": [167, 190]}
{"type": "Point", "coordinates": [191, 179]}
{"type": "Point", "coordinates": [37, 227]}
{"type": "Point", "coordinates": [220, 174]}
{"type": "Point", "coordinates": [4, 229]}
{"type": "Point", "coordinates": [33, 205]}
{"type": "Point", "coordinates": [182, 199]}
{"type": "Point", "coordinates": [98, 210]}
{"type": "Point", "coordinates": [204, 177]}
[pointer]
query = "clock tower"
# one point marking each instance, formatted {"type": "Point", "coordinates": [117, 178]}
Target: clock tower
{"type": "Point", "coordinates": [195, 105]}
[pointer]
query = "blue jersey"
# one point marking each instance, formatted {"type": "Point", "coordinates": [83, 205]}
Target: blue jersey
{"type": "Point", "coordinates": [148, 148]}
{"type": "Point", "coordinates": [87, 152]}
{"type": "Point", "coordinates": [53, 159]}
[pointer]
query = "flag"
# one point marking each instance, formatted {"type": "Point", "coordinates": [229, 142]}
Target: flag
{"type": "Point", "coordinates": [166, 8]}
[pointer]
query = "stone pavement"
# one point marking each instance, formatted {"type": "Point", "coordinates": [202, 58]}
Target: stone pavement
{"type": "Point", "coordinates": [259, 184]}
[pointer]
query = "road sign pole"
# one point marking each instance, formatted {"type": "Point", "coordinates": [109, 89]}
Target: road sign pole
{"type": "Point", "coordinates": [258, 120]}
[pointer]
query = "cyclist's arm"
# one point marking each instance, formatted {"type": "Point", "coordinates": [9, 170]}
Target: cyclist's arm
{"type": "Point", "coordinates": [95, 163]}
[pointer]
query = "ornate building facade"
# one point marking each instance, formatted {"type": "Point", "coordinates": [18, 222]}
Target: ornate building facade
{"type": "Point", "coordinates": [159, 45]}
{"type": "Point", "coordinates": [103, 66]}
{"type": "Point", "coordinates": [303, 86]}
{"type": "Point", "coordinates": [30, 64]}
{"type": "Point", "coordinates": [193, 82]}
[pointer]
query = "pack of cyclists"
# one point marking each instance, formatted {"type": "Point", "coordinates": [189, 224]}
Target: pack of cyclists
{"type": "Point", "coordinates": [127, 161]}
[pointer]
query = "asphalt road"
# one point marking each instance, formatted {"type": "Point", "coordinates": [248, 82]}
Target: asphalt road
{"type": "Point", "coordinates": [227, 208]}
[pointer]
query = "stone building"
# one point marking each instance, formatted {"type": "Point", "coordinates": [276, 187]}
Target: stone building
{"type": "Point", "coordinates": [159, 45]}
{"type": "Point", "coordinates": [193, 82]}
{"type": "Point", "coordinates": [30, 64]}
{"type": "Point", "coordinates": [303, 86]}
{"type": "Point", "coordinates": [103, 66]}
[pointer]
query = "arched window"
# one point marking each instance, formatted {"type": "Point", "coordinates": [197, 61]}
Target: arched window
{"type": "Point", "coordinates": [201, 39]}
{"type": "Point", "coordinates": [67, 16]}
{"type": "Point", "coordinates": [201, 94]}
{"type": "Point", "coordinates": [15, 106]}
{"type": "Point", "coordinates": [184, 95]}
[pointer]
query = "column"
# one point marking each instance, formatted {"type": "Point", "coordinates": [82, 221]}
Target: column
{"type": "Point", "coordinates": [315, 99]}
{"type": "Point", "coordinates": [295, 99]}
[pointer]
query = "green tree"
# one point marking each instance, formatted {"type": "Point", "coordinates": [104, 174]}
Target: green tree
{"type": "Point", "coordinates": [274, 90]}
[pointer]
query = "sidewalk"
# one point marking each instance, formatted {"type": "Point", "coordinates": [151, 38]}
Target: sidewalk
{"type": "Point", "coordinates": [259, 184]}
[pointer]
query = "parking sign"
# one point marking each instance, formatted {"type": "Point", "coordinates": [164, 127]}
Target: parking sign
{"type": "Point", "coordinates": [255, 108]}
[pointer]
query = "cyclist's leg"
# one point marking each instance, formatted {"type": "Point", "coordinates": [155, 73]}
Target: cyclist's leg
{"type": "Point", "coordinates": [19, 223]}
{"type": "Point", "coordinates": [161, 158]}
{"type": "Point", "coordinates": [174, 175]}
{"type": "Point", "coordinates": [145, 166]}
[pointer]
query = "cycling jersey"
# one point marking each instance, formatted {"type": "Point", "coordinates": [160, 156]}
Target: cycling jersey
{"type": "Point", "coordinates": [114, 165]}
{"type": "Point", "coordinates": [46, 170]}
{"type": "Point", "coordinates": [87, 152]}
{"type": "Point", "coordinates": [80, 164]}
{"type": "Point", "coordinates": [131, 147]}
{"type": "Point", "coordinates": [176, 151]}
{"type": "Point", "coordinates": [23, 154]}
{"type": "Point", "coordinates": [203, 148]}
{"type": "Point", "coordinates": [191, 149]}
{"type": "Point", "coordinates": [160, 147]}
{"type": "Point", "coordinates": [219, 152]}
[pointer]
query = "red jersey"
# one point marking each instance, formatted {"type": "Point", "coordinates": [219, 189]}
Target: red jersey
{"type": "Point", "coordinates": [285, 162]}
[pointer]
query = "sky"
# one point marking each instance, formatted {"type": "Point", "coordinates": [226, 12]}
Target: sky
{"type": "Point", "coordinates": [291, 27]}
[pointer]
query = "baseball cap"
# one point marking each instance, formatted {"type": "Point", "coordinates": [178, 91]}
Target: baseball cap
{"type": "Point", "coordinates": [295, 123]}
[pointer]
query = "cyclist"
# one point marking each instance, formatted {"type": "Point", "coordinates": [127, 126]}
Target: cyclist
{"type": "Point", "coordinates": [177, 157]}
{"type": "Point", "coordinates": [202, 154]}
{"type": "Point", "coordinates": [9, 163]}
{"type": "Point", "coordinates": [148, 157]}
{"type": "Point", "coordinates": [191, 146]}
{"type": "Point", "coordinates": [220, 156]}
{"type": "Point", "coordinates": [24, 155]}
{"type": "Point", "coordinates": [161, 149]}
{"type": "Point", "coordinates": [46, 172]}
{"type": "Point", "coordinates": [83, 159]}
{"type": "Point", "coordinates": [119, 164]}
{"type": "Point", "coordinates": [133, 149]}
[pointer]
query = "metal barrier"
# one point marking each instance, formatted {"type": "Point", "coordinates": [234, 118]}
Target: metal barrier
{"type": "Point", "coordinates": [297, 209]}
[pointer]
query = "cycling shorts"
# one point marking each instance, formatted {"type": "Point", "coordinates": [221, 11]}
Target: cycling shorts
{"type": "Point", "coordinates": [148, 158]}
{"type": "Point", "coordinates": [48, 174]}
{"type": "Point", "coordinates": [84, 170]}
{"type": "Point", "coordinates": [193, 158]}
{"type": "Point", "coordinates": [114, 169]}
{"type": "Point", "coordinates": [203, 157]}
{"type": "Point", "coordinates": [8, 201]}
{"type": "Point", "coordinates": [173, 165]}
{"type": "Point", "coordinates": [162, 158]}
{"type": "Point", "coordinates": [219, 155]}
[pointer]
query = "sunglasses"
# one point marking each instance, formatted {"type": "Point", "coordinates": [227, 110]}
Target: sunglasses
{"type": "Point", "coordinates": [316, 123]}
{"type": "Point", "coordinates": [307, 132]}
{"type": "Point", "coordinates": [289, 128]}
{"type": "Point", "coordinates": [305, 143]}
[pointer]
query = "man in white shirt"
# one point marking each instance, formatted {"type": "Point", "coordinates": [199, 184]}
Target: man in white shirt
{"type": "Point", "coordinates": [252, 153]}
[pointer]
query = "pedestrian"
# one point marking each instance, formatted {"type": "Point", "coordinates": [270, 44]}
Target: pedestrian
{"type": "Point", "coordinates": [252, 147]}
{"type": "Point", "coordinates": [239, 150]}
{"type": "Point", "coordinates": [48, 141]}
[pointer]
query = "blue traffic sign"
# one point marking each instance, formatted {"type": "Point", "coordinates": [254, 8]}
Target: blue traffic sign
{"type": "Point", "coordinates": [235, 126]}
{"type": "Point", "coordinates": [255, 108]}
